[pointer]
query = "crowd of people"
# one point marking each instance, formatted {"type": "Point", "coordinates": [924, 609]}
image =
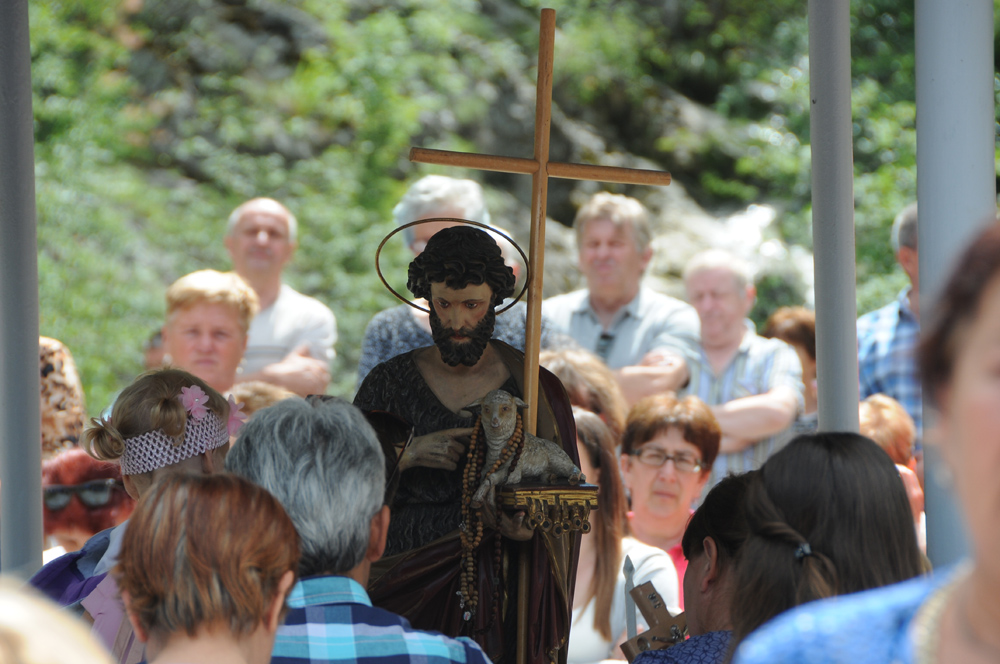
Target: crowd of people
{"type": "Point", "coordinates": [353, 537]}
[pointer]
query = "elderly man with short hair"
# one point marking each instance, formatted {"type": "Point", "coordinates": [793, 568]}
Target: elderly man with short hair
{"type": "Point", "coordinates": [644, 336]}
{"type": "Point", "coordinates": [321, 459]}
{"type": "Point", "coordinates": [290, 342]}
{"type": "Point", "coordinates": [753, 384]}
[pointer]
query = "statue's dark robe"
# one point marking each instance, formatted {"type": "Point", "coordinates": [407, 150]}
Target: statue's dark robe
{"type": "Point", "coordinates": [419, 576]}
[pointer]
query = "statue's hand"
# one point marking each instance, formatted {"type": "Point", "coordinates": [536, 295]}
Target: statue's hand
{"type": "Point", "coordinates": [511, 526]}
{"type": "Point", "coordinates": [441, 449]}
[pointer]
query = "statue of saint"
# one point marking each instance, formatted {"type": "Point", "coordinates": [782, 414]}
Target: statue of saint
{"type": "Point", "coordinates": [462, 274]}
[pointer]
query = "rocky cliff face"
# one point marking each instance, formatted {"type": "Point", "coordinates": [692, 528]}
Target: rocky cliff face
{"type": "Point", "coordinates": [191, 45]}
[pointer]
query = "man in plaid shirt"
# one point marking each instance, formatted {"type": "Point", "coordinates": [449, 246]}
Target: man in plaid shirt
{"type": "Point", "coordinates": [888, 337]}
{"type": "Point", "coordinates": [321, 459]}
{"type": "Point", "coordinates": [753, 384]}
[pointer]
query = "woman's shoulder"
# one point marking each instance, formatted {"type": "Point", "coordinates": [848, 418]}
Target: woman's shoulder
{"type": "Point", "coordinates": [654, 565]}
{"type": "Point", "coordinates": [869, 626]}
{"type": "Point", "coordinates": [645, 553]}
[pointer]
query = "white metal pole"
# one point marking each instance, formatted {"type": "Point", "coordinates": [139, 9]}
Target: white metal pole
{"type": "Point", "coordinates": [833, 213]}
{"type": "Point", "coordinates": [956, 189]}
{"type": "Point", "coordinates": [20, 436]}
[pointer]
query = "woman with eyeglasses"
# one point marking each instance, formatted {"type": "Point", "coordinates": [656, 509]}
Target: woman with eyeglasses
{"type": "Point", "coordinates": [598, 626]}
{"type": "Point", "coordinates": [667, 453]}
{"type": "Point", "coordinates": [165, 421]}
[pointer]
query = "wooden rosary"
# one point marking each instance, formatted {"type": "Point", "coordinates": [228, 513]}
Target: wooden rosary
{"type": "Point", "coordinates": [471, 527]}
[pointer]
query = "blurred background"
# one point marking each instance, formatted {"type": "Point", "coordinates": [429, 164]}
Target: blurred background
{"type": "Point", "coordinates": [155, 118]}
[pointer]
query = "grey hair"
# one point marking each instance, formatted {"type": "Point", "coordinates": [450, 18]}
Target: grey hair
{"type": "Point", "coordinates": [620, 211]}
{"type": "Point", "coordinates": [904, 228]}
{"type": "Point", "coordinates": [321, 459]}
{"type": "Point", "coordinates": [720, 259]}
{"type": "Point", "coordinates": [264, 205]}
{"type": "Point", "coordinates": [433, 193]}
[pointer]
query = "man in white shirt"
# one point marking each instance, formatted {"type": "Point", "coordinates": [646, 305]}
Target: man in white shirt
{"type": "Point", "coordinates": [644, 336]}
{"type": "Point", "coordinates": [290, 342]}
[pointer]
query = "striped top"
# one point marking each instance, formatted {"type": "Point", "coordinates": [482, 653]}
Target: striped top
{"type": "Point", "coordinates": [331, 619]}
{"type": "Point", "coordinates": [759, 366]}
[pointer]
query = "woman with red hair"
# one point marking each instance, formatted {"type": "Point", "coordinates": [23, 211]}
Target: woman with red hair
{"type": "Point", "coordinates": [199, 586]}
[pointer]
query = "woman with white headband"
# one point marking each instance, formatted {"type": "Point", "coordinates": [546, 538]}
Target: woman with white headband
{"type": "Point", "coordinates": [165, 421]}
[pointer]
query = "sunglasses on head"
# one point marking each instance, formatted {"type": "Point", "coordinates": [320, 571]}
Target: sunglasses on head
{"type": "Point", "coordinates": [92, 494]}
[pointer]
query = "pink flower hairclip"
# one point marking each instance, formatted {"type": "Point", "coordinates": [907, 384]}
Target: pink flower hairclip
{"type": "Point", "coordinates": [194, 400]}
{"type": "Point", "coordinates": [236, 418]}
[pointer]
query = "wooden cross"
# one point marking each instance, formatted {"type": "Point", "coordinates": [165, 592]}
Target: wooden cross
{"type": "Point", "coordinates": [540, 169]}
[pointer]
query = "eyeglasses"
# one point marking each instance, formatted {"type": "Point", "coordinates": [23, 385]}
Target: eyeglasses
{"type": "Point", "coordinates": [92, 494]}
{"type": "Point", "coordinates": [655, 458]}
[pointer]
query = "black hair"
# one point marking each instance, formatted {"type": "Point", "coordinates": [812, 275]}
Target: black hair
{"type": "Point", "coordinates": [459, 256]}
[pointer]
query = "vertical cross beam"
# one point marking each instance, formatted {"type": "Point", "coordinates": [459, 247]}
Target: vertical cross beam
{"type": "Point", "coordinates": [540, 169]}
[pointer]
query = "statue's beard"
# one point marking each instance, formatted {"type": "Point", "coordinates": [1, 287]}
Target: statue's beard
{"type": "Point", "coordinates": [465, 352]}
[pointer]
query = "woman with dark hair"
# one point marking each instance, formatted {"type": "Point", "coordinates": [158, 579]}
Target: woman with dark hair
{"type": "Point", "coordinates": [599, 600]}
{"type": "Point", "coordinates": [712, 545]}
{"type": "Point", "coordinates": [828, 515]}
{"type": "Point", "coordinates": [666, 458]}
{"type": "Point", "coordinates": [950, 617]}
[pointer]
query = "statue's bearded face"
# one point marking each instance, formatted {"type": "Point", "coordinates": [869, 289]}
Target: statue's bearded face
{"type": "Point", "coordinates": [462, 322]}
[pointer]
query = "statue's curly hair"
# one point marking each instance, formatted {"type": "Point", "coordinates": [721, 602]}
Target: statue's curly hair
{"type": "Point", "coordinates": [459, 256]}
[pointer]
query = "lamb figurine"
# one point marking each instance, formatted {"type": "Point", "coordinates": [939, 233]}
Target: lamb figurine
{"type": "Point", "coordinates": [540, 459]}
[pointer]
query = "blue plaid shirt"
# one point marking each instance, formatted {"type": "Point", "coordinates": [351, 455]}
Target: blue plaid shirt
{"type": "Point", "coordinates": [887, 342]}
{"type": "Point", "coordinates": [331, 619]}
{"type": "Point", "coordinates": [759, 366]}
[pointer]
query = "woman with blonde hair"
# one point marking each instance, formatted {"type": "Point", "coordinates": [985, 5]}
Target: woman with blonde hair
{"type": "Point", "coordinates": [199, 586]}
{"type": "Point", "coordinates": [884, 420]}
{"type": "Point", "coordinates": [205, 332]}
{"type": "Point", "coordinates": [28, 623]}
{"type": "Point", "coordinates": [164, 422]}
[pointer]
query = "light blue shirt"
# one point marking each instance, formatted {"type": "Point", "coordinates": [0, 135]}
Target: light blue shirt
{"type": "Point", "coordinates": [878, 626]}
{"type": "Point", "coordinates": [651, 321]}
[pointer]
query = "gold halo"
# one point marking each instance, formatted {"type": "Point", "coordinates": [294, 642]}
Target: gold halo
{"type": "Point", "coordinates": [378, 252]}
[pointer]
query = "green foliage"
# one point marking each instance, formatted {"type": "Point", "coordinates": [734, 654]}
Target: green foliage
{"type": "Point", "coordinates": [154, 119]}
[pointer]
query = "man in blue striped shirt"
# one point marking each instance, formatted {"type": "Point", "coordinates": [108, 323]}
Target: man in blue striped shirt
{"type": "Point", "coordinates": [321, 459]}
{"type": "Point", "coordinates": [753, 384]}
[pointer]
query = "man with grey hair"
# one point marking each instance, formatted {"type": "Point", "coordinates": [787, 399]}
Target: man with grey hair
{"type": "Point", "coordinates": [645, 337]}
{"type": "Point", "coordinates": [753, 384]}
{"type": "Point", "coordinates": [290, 342]}
{"type": "Point", "coordinates": [400, 329]}
{"type": "Point", "coordinates": [887, 337]}
{"type": "Point", "coordinates": [321, 459]}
